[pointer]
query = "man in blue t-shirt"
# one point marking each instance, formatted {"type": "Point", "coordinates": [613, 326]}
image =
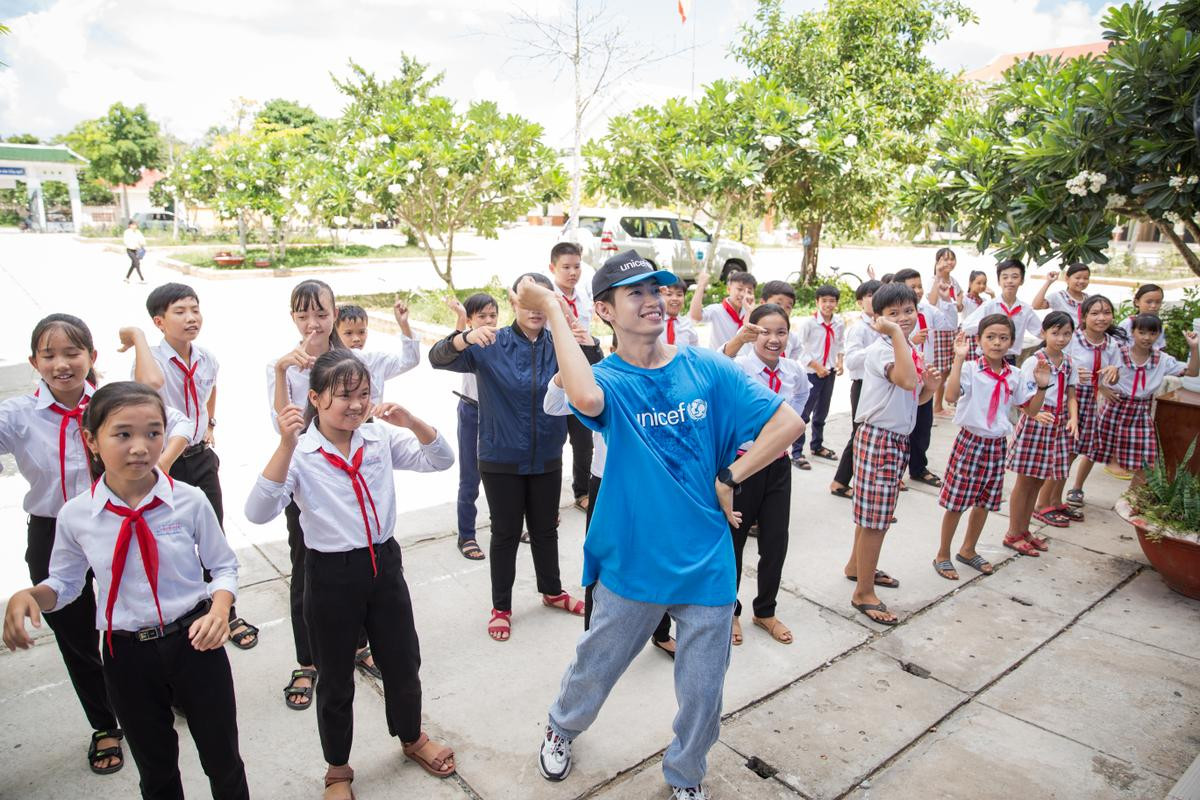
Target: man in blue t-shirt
{"type": "Point", "coordinates": [672, 419]}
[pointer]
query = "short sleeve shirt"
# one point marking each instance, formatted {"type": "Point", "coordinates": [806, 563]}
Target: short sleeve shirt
{"type": "Point", "coordinates": [882, 403]}
{"type": "Point", "coordinates": [978, 389]}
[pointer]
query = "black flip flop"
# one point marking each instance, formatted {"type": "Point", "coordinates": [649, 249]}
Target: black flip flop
{"type": "Point", "coordinates": [239, 638]}
{"type": "Point", "coordinates": [863, 608]}
{"type": "Point", "coordinates": [978, 562]}
{"type": "Point", "coordinates": [97, 754]}
{"type": "Point", "coordinates": [470, 550]}
{"type": "Point", "coordinates": [929, 479]}
{"type": "Point", "coordinates": [659, 645]}
{"type": "Point", "coordinates": [370, 670]}
{"type": "Point", "coordinates": [845, 492]}
{"type": "Point", "coordinates": [881, 579]}
{"type": "Point", "coordinates": [292, 689]}
{"type": "Point", "coordinates": [826, 453]}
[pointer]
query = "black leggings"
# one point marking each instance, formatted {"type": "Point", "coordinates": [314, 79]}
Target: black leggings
{"type": "Point", "coordinates": [135, 263]}
{"type": "Point", "coordinates": [515, 501]}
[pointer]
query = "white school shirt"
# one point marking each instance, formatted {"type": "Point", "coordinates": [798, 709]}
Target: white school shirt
{"type": "Point", "coordinates": [882, 403]}
{"type": "Point", "coordinates": [685, 331]}
{"type": "Point", "coordinates": [29, 429]}
{"type": "Point", "coordinates": [329, 511]}
{"type": "Point", "coordinates": [977, 389]}
{"type": "Point", "coordinates": [1025, 321]}
{"type": "Point", "coordinates": [722, 325]}
{"type": "Point", "coordinates": [793, 379]}
{"type": "Point", "coordinates": [1066, 370]}
{"type": "Point", "coordinates": [969, 306]}
{"type": "Point", "coordinates": [813, 334]}
{"type": "Point", "coordinates": [382, 366]}
{"type": "Point", "coordinates": [859, 337]}
{"type": "Point", "coordinates": [1083, 353]}
{"type": "Point", "coordinates": [133, 239]}
{"type": "Point", "coordinates": [188, 537]}
{"type": "Point", "coordinates": [582, 300]}
{"type": "Point", "coordinates": [942, 317]}
{"type": "Point", "coordinates": [470, 386]}
{"type": "Point", "coordinates": [1127, 326]}
{"type": "Point", "coordinates": [555, 404]}
{"type": "Point", "coordinates": [1149, 374]}
{"type": "Point", "coordinates": [1062, 301]}
{"type": "Point", "coordinates": [173, 390]}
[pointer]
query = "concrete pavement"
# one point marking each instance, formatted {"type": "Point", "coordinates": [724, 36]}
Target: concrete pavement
{"type": "Point", "coordinates": [1068, 676]}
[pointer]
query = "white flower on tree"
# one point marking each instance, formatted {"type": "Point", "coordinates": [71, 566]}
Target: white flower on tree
{"type": "Point", "coordinates": [395, 188]}
{"type": "Point", "coordinates": [1115, 200]}
{"type": "Point", "coordinates": [414, 164]}
{"type": "Point", "coordinates": [340, 221]}
{"type": "Point", "coordinates": [241, 187]}
{"type": "Point", "coordinates": [851, 140]}
{"type": "Point", "coordinates": [442, 172]}
{"type": "Point", "coordinates": [362, 197]}
{"type": "Point", "coordinates": [772, 143]}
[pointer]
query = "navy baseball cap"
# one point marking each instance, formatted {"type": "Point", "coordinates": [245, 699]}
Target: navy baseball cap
{"type": "Point", "coordinates": [626, 268]}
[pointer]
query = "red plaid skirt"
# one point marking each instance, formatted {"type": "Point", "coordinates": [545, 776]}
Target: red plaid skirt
{"type": "Point", "coordinates": [975, 473]}
{"type": "Point", "coordinates": [880, 458]}
{"type": "Point", "coordinates": [1089, 421]}
{"type": "Point", "coordinates": [1041, 451]}
{"type": "Point", "coordinates": [973, 351]}
{"type": "Point", "coordinates": [1126, 433]}
{"type": "Point", "coordinates": [943, 349]}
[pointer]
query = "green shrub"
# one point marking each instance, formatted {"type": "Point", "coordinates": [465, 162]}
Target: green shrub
{"type": "Point", "coordinates": [1173, 501]}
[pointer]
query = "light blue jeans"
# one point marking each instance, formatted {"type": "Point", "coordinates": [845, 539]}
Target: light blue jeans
{"type": "Point", "coordinates": [620, 628]}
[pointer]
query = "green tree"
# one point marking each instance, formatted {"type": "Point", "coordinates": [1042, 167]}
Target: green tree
{"type": "Point", "coordinates": [280, 113]}
{"type": "Point", "coordinates": [1061, 151]}
{"type": "Point", "coordinates": [119, 146]}
{"type": "Point", "coordinates": [861, 64]}
{"type": "Point", "coordinates": [23, 138]}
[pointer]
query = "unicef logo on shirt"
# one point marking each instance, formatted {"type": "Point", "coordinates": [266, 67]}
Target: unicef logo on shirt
{"type": "Point", "coordinates": [697, 409]}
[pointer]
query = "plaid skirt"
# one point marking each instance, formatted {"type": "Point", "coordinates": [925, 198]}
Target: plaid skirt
{"type": "Point", "coordinates": [1126, 433]}
{"type": "Point", "coordinates": [973, 351]}
{"type": "Point", "coordinates": [943, 349]}
{"type": "Point", "coordinates": [1089, 421]}
{"type": "Point", "coordinates": [975, 473]}
{"type": "Point", "coordinates": [880, 459]}
{"type": "Point", "coordinates": [1041, 451]}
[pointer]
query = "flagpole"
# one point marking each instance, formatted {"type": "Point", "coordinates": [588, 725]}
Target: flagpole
{"type": "Point", "coordinates": [693, 92]}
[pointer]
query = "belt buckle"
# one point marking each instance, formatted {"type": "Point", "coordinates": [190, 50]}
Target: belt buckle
{"type": "Point", "coordinates": [149, 634]}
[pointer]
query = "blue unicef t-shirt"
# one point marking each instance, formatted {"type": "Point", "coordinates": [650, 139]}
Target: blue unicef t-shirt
{"type": "Point", "coordinates": [657, 533]}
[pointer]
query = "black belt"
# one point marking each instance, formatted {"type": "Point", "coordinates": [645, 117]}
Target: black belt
{"type": "Point", "coordinates": [181, 624]}
{"type": "Point", "coordinates": [194, 450]}
{"type": "Point", "coordinates": [471, 401]}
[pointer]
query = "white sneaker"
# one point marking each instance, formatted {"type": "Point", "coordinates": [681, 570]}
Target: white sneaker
{"type": "Point", "coordinates": [694, 793]}
{"type": "Point", "coordinates": [554, 760]}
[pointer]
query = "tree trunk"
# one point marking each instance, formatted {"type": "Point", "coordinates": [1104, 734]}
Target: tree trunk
{"type": "Point", "coordinates": [576, 177]}
{"type": "Point", "coordinates": [1189, 256]}
{"type": "Point", "coordinates": [125, 202]}
{"type": "Point", "coordinates": [808, 268]}
{"type": "Point", "coordinates": [242, 232]}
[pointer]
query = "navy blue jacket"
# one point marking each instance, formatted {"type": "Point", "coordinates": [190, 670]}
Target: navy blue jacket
{"type": "Point", "coordinates": [516, 435]}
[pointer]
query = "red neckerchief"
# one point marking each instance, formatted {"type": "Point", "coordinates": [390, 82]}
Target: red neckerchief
{"type": "Point", "coordinates": [1077, 306]}
{"type": "Point", "coordinates": [974, 298]}
{"type": "Point", "coordinates": [1097, 354]}
{"type": "Point", "coordinates": [67, 415]}
{"type": "Point", "coordinates": [917, 365]}
{"type": "Point", "coordinates": [571, 303]}
{"type": "Point", "coordinates": [1010, 312]}
{"type": "Point", "coordinates": [190, 395]}
{"type": "Point", "coordinates": [828, 326]}
{"type": "Point", "coordinates": [729, 310]}
{"type": "Point", "coordinates": [360, 486]}
{"type": "Point", "coordinates": [670, 330]}
{"type": "Point", "coordinates": [953, 294]}
{"type": "Point", "coordinates": [1002, 388]}
{"type": "Point", "coordinates": [774, 382]}
{"type": "Point", "coordinates": [1062, 381]}
{"type": "Point", "coordinates": [921, 323]}
{"type": "Point", "coordinates": [133, 523]}
{"type": "Point", "coordinates": [1139, 372]}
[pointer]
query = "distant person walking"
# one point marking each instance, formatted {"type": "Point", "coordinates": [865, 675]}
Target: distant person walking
{"type": "Point", "coordinates": [135, 248]}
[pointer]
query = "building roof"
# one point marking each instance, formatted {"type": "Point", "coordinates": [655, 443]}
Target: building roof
{"type": "Point", "coordinates": [43, 153]}
{"type": "Point", "coordinates": [995, 70]}
{"type": "Point", "coordinates": [147, 181]}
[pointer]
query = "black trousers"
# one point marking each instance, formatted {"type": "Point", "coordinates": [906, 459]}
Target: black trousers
{"type": "Point", "coordinates": [516, 501]}
{"type": "Point", "coordinates": [918, 462]}
{"type": "Point", "coordinates": [342, 597]}
{"type": "Point", "coordinates": [74, 629]}
{"type": "Point", "coordinates": [663, 632]}
{"type": "Point", "coordinates": [766, 500]}
{"type": "Point", "coordinates": [816, 409]}
{"type": "Point", "coordinates": [581, 456]}
{"type": "Point", "coordinates": [135, 263]}
{"type": "Point", "coordinates": [845, 467]}
{"type": "Point", "coordinates": [144, 680]}
{"type": "Point", "coordinates": [200, 470]}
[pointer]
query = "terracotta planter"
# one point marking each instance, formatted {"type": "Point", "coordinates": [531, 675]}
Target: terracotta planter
{"type": "Point", "coordinates": [262, 262]}
{"type": "Point", "coordinates": [1176, 559]}
{"type": "Point", "coordinates": [229, 260]}
{"type": "Point", "coordinates": [533, 219]}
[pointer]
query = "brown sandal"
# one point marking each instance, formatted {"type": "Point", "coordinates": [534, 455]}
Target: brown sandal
{"type": "Point", "coordinates": [773, 626]}
{"type": "Point", "coordinates": [736, 632]}
{"type": "Point", "coordinates": [440, 766]}
{"type": "Point", "coordinates": [343, 774]}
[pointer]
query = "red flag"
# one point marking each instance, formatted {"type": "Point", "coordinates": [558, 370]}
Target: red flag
{"type": "Point", "coordinates": [684, 7]}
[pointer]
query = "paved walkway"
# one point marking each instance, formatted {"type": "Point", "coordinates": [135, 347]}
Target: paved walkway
{"type": "Point", "coordinates": [1069, 676]}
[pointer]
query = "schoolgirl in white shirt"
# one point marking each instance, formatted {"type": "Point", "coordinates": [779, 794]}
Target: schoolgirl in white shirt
{"type": "Point", "coordinates": [148, 539]}
{"type": "Point", "coordinates": [337, 468]}
{"type": "Point", "coordinates": [1148, 299]}
{"type": "Point", "coordinates": [1095, 350]}
{"type": "Point", "coordinates": [944, 287]}
{"type": "Point", "coordinates": [1069, 300]}
{"type": "Point", "coordinates": [984, 391]}
{"type": "Point", "coordinates": [44, 433]}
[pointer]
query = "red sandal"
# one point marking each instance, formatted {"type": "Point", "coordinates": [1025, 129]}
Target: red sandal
{"type": "Point", "coordinates": [500, 633]}
{"type": "Point", "coordinates": [1036, 541]}
{"type": "Point", "coordinates": [1019, 544]}
{"type": "Point", "coordinates": [1050, 515]}
{"type": "Point", "coordinates": [565, 602]}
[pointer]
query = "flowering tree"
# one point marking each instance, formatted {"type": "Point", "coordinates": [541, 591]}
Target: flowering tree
{"type": "Point", "coordinates": [712, 156]}
{"type": "Point", "coordinates": [1062, 150]}
{"type": "Point", "coordinates": [411, 156]}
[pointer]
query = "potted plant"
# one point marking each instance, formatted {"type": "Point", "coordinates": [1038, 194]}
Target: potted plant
{"type": "Point", "coordinates": [262, 262]}
{"type": "Point", "coordinates": [1165, 512]}
{"type": "Point", "coordinates": [228, 259]}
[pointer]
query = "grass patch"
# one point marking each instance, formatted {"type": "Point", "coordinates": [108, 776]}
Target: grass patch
{"type": "Point", "coordinates": [311, 256]}
{"type": "Point", "coordinates": [430, 306]}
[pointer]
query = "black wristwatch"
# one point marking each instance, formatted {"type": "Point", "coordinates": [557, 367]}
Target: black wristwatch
{"type": "Point", "coordinates": [725, 476]}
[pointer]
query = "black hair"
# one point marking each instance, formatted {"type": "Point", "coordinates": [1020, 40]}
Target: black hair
{"type": "Point", "coordinates": [766, 310]}
{"type": "Point", "coordinates": [1078, 266]}
{"type": "Point", "coordinates": [1056, 319]}
{"type": "Point", "coordinates": [1095, 300]}
{"type": "Point", "coordinates": [742, 277]}
{"type": "Point", "coordinates": [351, 313]}
{"type": "Point", "coordinates": [888, 277]}
{"type": "Point", "coordinates": [1010, 263]}
{"type": "Point", "coordinates": [307, 295]}
{"type": "Point", "coordinates": [904, 275]}
{"type": "Point", "coordinates": [828, 290]}
{"type": "Point", "coordinates": [772, 288]}
{"type": "Point", "coordinates": [337, 367]}
{"type": "Point", "coordinates": [1146, 322]}
{"type": "Point", "coordinates": [943, 252]}
{"type": "Point", "coordinates": [76, 331]}
{"type": "Point", "coordinates": [975, 273]}
{"type": "Point", "coordinates": [865, 288]}
{"type": "Point", "coordinates": [538, 278]}
{"type": "Point", "coordinates": [1145, 289]}
{"type": "Point", "coordinates": [997, 319]}
{"type": "Point", "coordinates": [478, 302]}
{"type": "Point", "coordinates": [892, 294]}
{"type": "Point", "coordinates": [163, 297]}
{"type": "Point", "coordinates": [564, 249]}
{"type": "Point", "coordinates": [112, 397]}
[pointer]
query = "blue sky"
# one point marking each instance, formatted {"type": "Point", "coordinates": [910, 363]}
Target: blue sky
{"type": "Point", "coordinates": [69, 59]}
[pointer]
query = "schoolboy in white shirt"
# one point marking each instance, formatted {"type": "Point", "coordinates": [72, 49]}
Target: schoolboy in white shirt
{"type": "Point", "coordinates": [821, 340]}
{"type": "Point", "coordinates": [1010, 274]}
{"type": "Point", "coordinates": [724, 318]}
